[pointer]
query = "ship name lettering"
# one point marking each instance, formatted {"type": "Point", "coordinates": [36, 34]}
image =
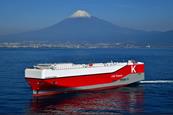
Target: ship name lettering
{"type": "Point", "coordinates": [119, 76]}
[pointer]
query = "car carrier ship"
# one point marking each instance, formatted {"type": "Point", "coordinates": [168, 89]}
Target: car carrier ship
{"type": "Point", "coordinates": [48, 79]}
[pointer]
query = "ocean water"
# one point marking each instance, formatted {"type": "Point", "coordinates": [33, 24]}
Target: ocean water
{"type": "Point", "coordinates": [155, 95]}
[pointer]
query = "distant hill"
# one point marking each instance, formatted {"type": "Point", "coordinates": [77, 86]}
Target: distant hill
{"type": "Point", "coordinates": [86, 28]}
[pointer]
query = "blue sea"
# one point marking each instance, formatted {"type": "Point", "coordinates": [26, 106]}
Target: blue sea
{"type": "Point", "coordinates": [146, 98]}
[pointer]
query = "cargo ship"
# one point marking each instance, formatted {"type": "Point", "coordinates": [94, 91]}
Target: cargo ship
{"type": "Point", "coordinates": [49, 79]}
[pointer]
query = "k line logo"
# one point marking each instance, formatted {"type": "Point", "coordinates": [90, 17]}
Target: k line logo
{"type": "Point", "coordinates": [133, 68]}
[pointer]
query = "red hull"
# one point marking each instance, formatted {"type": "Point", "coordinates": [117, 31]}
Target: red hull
{"type": "Point", "coordinates": [71, 91]}
{"type": "Point", "coordinates": [80, 81]}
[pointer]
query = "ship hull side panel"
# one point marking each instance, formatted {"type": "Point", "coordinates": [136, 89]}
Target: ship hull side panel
{"type": "Point", "coordinates": [76, 82]}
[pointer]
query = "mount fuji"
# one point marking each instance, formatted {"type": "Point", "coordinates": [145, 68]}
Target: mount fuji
{"type": "Point", "coordinates": [82, 27]}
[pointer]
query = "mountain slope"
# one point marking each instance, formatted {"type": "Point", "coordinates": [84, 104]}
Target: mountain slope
{"type": "Point", "coordinates": [77, 29]}
{"type": "Point", "coordinates": [90, 29]}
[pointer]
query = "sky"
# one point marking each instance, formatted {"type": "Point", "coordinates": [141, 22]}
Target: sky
{"type": "Point", "coordinates": [25, 15]}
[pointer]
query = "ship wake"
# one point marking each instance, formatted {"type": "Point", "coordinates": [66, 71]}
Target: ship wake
{"type": "Point", "coordinates": [156, 81]}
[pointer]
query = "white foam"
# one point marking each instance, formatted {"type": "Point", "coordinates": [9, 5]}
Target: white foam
{"type": "Point", "coordinates": [156, 81]}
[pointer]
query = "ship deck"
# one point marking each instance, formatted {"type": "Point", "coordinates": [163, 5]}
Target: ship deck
{"type": "Point", "coordinates": [61, 66]}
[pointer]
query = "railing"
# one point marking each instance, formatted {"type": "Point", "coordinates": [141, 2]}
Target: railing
{"type": "Point", "coordinates": [76, 66]}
